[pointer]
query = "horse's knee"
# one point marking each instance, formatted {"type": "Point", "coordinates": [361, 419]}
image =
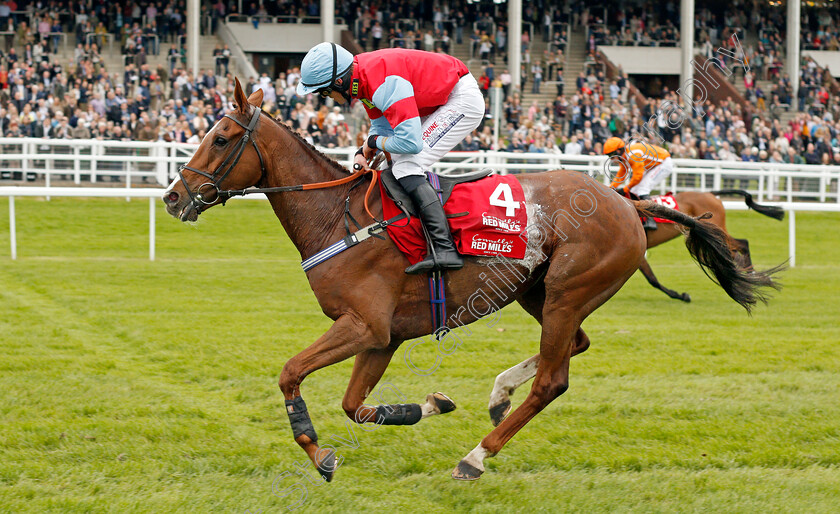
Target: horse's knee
{"type": "Point", "coordinates": [350, 407]}
{"type": "Point", "coordinates": [351, 413]}
{"type": "Point", "coordinates": [290, 378]}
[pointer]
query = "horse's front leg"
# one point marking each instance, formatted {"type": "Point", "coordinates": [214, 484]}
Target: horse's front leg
{"type": "Point", "coordinates": [367, 370]}
{"type": "Point", "coordinates": [348, 336]}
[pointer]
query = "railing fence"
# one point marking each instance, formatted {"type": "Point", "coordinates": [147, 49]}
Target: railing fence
{"type": "Point", "coordinates": [128, 162]}
{"type": "Point", "coordinates": [792, 187]}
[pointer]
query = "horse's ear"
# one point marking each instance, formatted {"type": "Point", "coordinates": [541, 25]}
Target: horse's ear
{"type": "Point", "coordinates": [256, 98]}
{"type": "Point", "coordinates": [239, 97]}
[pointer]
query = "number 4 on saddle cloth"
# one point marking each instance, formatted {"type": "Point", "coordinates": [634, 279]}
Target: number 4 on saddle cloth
{"type": "Point", "coordinates": [486, 214]}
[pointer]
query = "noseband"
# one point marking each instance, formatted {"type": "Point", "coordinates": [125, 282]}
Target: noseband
{"type": "Point", "coordinates": [197, 199]}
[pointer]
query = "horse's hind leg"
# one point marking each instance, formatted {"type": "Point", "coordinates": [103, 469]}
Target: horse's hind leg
{"type": "Point", "coordinates": [652, 280]}
{"type": "Point", "coordinates": [742, 247]}
{"type": "Point", "coordinates": [367, 370]}
{"type": "Point", "coordinates": [533, 301]}
{"type": "Point", "coordinates": [574, 287]}
{"type": "Point", "coordinates": [509, 380]}
{"type": "Point", "coordinates": [506, 383]}
{"type": "Point", "coordinates": [552, 380]}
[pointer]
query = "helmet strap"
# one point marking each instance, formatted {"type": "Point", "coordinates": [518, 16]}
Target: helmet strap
{"type": "Point", "coordinates": [343, 82]}
{"type": "Point", "coordinates": [335, 64]}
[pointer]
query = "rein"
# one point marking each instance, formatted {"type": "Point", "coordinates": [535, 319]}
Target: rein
{"type": "Point", "coordinates": [202, 196]}
{"type": "Point", "coordinates": [226, 194]}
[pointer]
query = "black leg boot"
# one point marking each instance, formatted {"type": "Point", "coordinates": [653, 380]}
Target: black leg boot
{"type": "Point", "coordinates": [431, 212]}
{"type": "Point", "coordinates": [648, 223]}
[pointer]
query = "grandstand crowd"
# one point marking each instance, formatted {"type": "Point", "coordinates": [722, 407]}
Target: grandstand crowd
{"type": "Point", "coordinates": [79, 98]}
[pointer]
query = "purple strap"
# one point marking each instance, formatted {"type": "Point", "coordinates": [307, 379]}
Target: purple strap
{"type": "Point", "coordinates": [437, 299]}
{"type": "Point", "coordinates": [434, 180]}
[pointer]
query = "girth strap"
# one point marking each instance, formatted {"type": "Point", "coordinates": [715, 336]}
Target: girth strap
{"type": "Point", "coordinates": [437, 299]}
{"type": "Point", "coordinates": [349, 241]}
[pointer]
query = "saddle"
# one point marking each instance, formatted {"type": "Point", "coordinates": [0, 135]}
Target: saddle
{"type": "Point", "coordinates": [629, 194]}
{"type": "Point", "coordinates": [403, 201]}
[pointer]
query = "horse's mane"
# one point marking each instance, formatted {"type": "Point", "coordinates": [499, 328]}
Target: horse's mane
{"type": "Point", "coordinates": [311, 147]}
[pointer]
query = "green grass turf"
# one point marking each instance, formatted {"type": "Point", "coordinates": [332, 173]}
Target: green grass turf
{"type": "Point", "coordinates": [130, 385]}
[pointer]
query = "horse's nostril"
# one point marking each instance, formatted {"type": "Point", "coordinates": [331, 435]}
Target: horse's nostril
{"type": "Point", "coordinates": [173, 197]}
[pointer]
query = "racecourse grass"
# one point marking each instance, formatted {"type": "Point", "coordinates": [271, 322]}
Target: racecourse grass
{"type": "Point", "coordinates": [137, 386]}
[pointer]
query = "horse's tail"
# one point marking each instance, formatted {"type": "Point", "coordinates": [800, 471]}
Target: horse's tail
{"type": "Point", "coordinates": [709, 246]}
{"type": "Point", "coordinates": [768, 210]}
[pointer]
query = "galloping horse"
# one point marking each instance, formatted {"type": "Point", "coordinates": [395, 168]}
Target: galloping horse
{"type": "Point", "coordinates": [694, 204]}
{"type": "Point", "coordinates": [589, 246]}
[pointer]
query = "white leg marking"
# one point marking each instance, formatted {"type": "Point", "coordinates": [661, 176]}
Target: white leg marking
{"type": "Point", "coordinates": [476, 457]}
{"type": "Point", "coordinates": [508, 380]}
{"type": "Point", "coordinates": [428, 409]}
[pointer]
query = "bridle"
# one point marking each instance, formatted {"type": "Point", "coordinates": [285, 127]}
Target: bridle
{"type": "Point", "coordinates": [209, 193]}
{"type": "Point", "coordinates": [198, 200]}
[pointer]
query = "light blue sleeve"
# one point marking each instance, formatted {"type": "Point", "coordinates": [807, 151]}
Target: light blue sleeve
{"type": "Point", "coordinates": [407, 134]}
{"type": "Point", "coordinates": [380, 127]}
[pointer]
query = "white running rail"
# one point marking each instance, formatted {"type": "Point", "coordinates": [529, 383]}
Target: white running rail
{"type": "Point", "coordinates": [156, 194]}
{"type": "Point", "coordinates": [94, 161]}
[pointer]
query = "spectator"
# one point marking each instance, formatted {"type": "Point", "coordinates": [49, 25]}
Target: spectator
{"type": "Point", "coordinates": [536, 72]}
{"type": "Point", "coordinates": [573, 147]}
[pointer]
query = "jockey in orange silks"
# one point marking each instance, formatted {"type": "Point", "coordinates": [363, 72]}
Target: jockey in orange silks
{"type": "Point", "coordinates": [647, 165]}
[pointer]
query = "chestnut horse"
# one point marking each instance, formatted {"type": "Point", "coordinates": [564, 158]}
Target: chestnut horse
{"type": "Point", "coordinates": [694, 204]}
{"type": "Point", "coordinates": [590, 244]}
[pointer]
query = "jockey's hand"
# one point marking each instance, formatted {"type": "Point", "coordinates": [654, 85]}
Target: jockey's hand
{"type": "Point", "coordinates": [369, 152]}
{"type": "Point", "coordinates": [360, 160]}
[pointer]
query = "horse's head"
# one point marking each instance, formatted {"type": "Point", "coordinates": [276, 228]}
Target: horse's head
{"type": "Point", "coordinates": [228, 158]}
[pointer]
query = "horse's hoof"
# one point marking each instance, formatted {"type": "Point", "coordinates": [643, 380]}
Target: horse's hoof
{"type": "Point", "coordinates": [441, 403]}
{"type": "Point", "coordinates": [499, 412]}
{"type": "Point", "coordinates": [686, 298]}
{"type": "Point", "coordinates": [466, 471]}
{"type": "Point", "coordinates": [327, 466]}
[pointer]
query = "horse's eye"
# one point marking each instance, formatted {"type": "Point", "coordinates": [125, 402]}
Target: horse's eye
{"type": "Point", "coordinates": [220, 141]}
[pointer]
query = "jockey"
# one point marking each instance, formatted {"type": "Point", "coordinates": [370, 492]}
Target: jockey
{"type": "Point", "coordinates": [421, 105]}
{"type": "Point", "coordinates": [649, 163]}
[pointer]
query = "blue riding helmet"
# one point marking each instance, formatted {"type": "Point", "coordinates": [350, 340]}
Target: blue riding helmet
{"type": "Point", "coordinates": [321, 66]}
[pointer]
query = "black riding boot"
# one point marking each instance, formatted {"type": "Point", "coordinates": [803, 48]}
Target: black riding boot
{"type": "Point", "coordinates": [445, 255]}
{"type": "Point", "coordinates": [648, 223]}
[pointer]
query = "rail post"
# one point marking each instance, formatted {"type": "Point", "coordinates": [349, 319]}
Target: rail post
{"type": "Point", "coordinates": [792, 237]}
{"type": "Point", "coordinates": [12, 231]}
{"type": "Point", "coordinates": [77, 167]}
{"type": "Point", "coordinates": [152, 228]}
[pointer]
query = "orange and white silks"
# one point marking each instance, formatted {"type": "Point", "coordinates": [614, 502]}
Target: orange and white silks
{"type": "Point", "coordinates": [641, 158]}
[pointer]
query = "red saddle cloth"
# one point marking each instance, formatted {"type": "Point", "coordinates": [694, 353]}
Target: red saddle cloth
{"type": "Point", "coordinates": [666, 200]}
{"type": "Point", "coordinates": [494, 223]}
